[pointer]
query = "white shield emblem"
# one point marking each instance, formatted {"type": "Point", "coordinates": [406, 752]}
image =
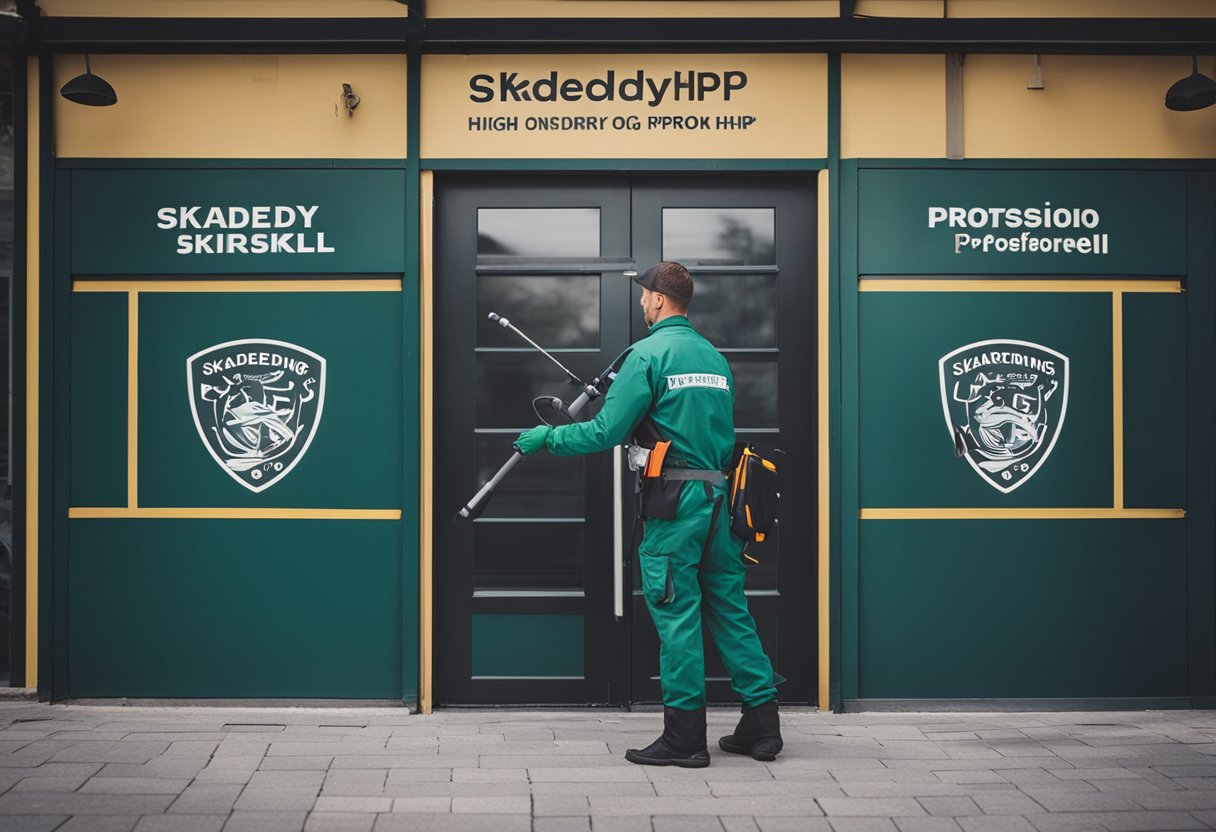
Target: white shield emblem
{"type": "Point", "coordinates": [1004, 403]}
{"type": "Point", "coordinates": [256, 404]}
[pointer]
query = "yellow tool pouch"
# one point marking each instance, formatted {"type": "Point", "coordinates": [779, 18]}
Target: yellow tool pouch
{"type": "Point", "coordinates": [754, 495]}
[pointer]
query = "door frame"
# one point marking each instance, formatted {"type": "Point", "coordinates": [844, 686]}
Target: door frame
{"type": "Point", "coordinates": [827, 442]}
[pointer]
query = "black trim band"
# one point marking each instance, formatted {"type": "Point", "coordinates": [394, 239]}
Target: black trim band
{"type": "Point", "coordinates": [1150, 36]}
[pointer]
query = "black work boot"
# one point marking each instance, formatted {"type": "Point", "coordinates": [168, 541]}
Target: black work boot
{"type": "Point", "coordinates": [682, 743]}
{"type": "Point", "coordinates": [758, 733]}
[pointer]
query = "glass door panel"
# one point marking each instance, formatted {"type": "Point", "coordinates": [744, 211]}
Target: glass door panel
{"type": "Point", "coordinates": [518, 588]}
{"type": "Point", "coordinates": [749, 244]}
{"type": "Point", "coordinates": [524, 595]}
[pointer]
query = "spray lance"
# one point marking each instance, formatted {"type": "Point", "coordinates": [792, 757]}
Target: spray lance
{"type": "Point", "coordinates": [590, 392]}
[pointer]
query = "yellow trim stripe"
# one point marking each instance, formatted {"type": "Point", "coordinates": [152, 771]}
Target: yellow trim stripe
{"type": "Point", "coordinates": [132, 399]}
{"type": "Point", "coordinates": [426, 690]}
{"type": "Point", "coordinates": [1117, 393]}
{"type": "Point", "coordinates": [824, 456]}
{"type": "Point", "coordinates": [191, 513]}
{"type": "Point", "coordinates": [1022, 513]}
{"type": "Point", "coordinates": [886, 284]}
{"type": "Point", "coordinates": [32, 462]}
{"type": "Point", "coordinates": [373, 285]}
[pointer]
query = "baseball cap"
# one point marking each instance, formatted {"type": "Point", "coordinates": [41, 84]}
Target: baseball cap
{"type": "Point", "coordinates": [668, 278]}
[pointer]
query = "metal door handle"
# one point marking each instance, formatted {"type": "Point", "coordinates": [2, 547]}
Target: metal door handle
{"type": "Point", "coordinates": [618, 537]}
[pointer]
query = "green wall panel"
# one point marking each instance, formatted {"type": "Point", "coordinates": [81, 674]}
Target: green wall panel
{"type": "Point", "coordinates": [98, 440]}
{"type": "Point", "coordinates": [528, 645]}
{"type": "Point", "coordinates": [907, 455]}
{"type": "Point", "coordinates": [361, 214]}
{"type": "Point", "coordinates": [355, 458]}
{"type": "Point", "coordinates": [1154, 401]}
{"type": "Point", "coordinates": [1142, 214]}
{"type": "Point", "coordinates": [981, 608]}
{"type": "Point", "coordinates": [235, 608]}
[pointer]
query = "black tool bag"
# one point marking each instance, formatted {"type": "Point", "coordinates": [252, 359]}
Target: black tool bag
{"type": "Point", "coordinates": [754, 494]}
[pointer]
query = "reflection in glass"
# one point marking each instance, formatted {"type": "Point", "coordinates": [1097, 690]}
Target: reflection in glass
{"type": "Point", "coordinates": [528, 555]}
{"type": "Point", "coordinates": [548, 486]}
{"type": "Point", "coordinates": [507, 382]}
{"type": "Point", "coordinates": [720, 236]}
{"type": "Point", "coordinates": [555, 310]}
{"type": "Point", "coordinates": [755, 392]}
{"type": "Point", "coordinates": [734, 311]}
{"type": "Point", "coordinates": [538, 232]}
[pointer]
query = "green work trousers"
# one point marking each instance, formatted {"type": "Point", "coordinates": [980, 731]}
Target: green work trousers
{"type": "Point", "coordinates": [685, 582]}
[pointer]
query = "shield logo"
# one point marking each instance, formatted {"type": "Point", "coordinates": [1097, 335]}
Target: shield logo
{"type": "Point", "coordinates": [256, 404]}
{"type": "Point", "coordinates": [1004, 402]}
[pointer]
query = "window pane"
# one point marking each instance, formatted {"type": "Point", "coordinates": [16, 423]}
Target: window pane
{"type": "Point", "coordinates": [507, 382]}
{"type": "Point", "coordinates": [544, 486]}
{"type": "Point", "coordinates": [555, 310]}
{"type": "Point", "coordinates": [735, 310]}
{"type": "Point", "coordinates": [720, 236]}
{"type": "Point", "coordinates": [755, 392]}
{"type": "Point", "coordinates": [528, 555]}
{"type": "Point", "coordinates": [538, 232]}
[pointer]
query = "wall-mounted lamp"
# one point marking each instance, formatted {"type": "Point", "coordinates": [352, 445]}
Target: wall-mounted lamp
{"type": "Point", "coordinates": [347, 100]}
{"type": "Point", "coordinates": [89, 89]}
{"type": "Point", "coordinates": [1194, 92]}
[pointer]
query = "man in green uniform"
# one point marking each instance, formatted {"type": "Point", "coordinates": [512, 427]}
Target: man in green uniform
{"type": "Point", "coordinates": [691, 564]}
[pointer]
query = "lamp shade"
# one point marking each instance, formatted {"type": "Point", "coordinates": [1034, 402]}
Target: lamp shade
{"type": "Point", "coordinates": [1194, 92]}
{"type": "Point", "coordinates": [89, 89]}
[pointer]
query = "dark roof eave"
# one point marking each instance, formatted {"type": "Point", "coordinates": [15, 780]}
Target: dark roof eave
{"type": "Point", "coordinates": [1149, 36]}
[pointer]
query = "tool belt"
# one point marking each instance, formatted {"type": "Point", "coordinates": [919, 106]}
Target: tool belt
{"type": "Point", "coordinates": [694, 474]}
{"type": "Point", "coordinates": [659, 483]}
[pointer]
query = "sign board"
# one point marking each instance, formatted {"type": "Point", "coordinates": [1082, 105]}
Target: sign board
{"type": "Point", "coordinates": [624, 106]}
{"type": "Point", "coordinates": [973, 222]}
{"type": "Point", "coordinates": [238, 221]}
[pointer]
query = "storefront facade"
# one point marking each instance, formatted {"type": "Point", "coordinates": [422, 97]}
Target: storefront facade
{"type": "Point", "coordinates": [974, 311]}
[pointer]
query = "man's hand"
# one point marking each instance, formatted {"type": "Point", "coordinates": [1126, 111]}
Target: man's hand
{"type": "Point", "coordinates": [531, 441]}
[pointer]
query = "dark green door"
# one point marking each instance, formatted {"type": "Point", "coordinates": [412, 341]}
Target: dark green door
{"type": "Point", "coordinates": [527, 605]}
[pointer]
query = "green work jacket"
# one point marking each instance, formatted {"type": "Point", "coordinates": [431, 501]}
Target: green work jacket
{"type": "Point", "coordinates": [682, 382]}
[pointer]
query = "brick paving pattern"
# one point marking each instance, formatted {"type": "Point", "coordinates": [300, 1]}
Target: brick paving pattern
{"type": "Point", "coordinates": [103, 768]}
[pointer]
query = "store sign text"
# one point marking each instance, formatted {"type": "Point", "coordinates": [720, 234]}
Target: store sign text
{"type": "Point", "coordinates": [638, 86]}
{"type": "Point", "coordinates": [237, 229]}
{"type": "Point", "coordinates": [1051, 230]}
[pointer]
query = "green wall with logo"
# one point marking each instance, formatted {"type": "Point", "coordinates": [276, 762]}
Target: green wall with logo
{"type": "Point", "coordinates": [1016, 536]}
{"type": "Point", "coordinates": [251, 532]}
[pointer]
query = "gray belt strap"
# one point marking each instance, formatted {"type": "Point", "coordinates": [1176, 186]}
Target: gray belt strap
{"type": "Point", "coordinates": [694, 474]}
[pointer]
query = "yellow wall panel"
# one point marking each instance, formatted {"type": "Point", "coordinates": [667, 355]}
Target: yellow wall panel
{"type": "Point", "coordinates": [893, 106]}
{"type": "Point", "coordinates": [1082, 8]}
{"type": "Point", "coordinates": [784, 103]}
{"type": "Point", "coordinates": [234, 106]}
{"type": "Point", "coordinates": [223, 8]}
{"type": "Point", "coordinates": [632, 8]}
{"type": "Point", "coordinates": [1091, 107]}
{"type": "Point", "coordinates": [899, 8]}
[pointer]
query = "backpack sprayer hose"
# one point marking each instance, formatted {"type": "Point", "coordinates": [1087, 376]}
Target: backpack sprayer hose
{"type": "Point", "coordinates": [590, 393]}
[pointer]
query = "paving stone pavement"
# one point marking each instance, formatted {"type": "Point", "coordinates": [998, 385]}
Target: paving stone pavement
{"type": "Point", "coordinates": [109, 768]}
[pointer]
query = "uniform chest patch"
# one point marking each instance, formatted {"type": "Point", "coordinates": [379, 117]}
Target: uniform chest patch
{"type": "Point", "coordinates": [697, 380]}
